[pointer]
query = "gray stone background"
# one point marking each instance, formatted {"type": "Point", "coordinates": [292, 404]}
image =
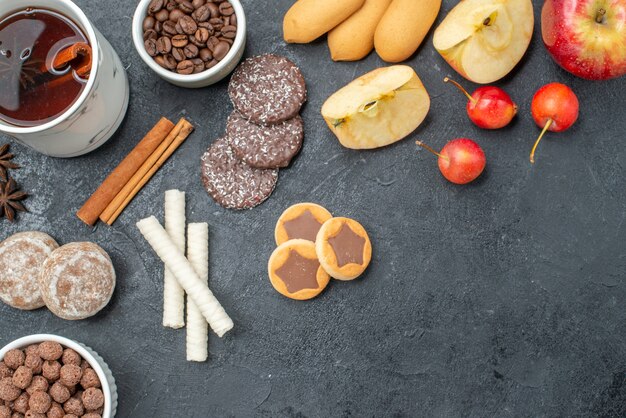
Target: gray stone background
{"type": "Point", "coordinates": [501, 298]}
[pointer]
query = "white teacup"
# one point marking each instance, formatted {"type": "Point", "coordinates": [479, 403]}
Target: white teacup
{"type": "Point", "coordinates": [100, 108]}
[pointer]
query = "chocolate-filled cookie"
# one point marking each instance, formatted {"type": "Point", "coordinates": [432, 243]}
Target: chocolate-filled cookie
{"type": "Point", "coordinates": [295, 271]}
{"type": "Point", "coordinates": [232, 183]}
{"type": "Point", "coordinates": [264, 146]}
{"type": "Point", "coordinates": [267, 89]}
{"type": "Point", "coordinates": [21, 259]}
{"type": "Point", "coordinates": [343, 248]}
{"type": "Point", "coordinates": [300, 221]}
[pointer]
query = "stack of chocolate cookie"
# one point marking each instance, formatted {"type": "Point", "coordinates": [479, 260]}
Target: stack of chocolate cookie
{"type": "Point", "coordinates": [263, 134]}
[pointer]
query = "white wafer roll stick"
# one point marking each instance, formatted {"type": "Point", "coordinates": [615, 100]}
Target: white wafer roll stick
{"type": "Point", "coordinates": [187, 277]}
{"type": "Point", "coordinates": [198, 256]}
{"type": "Point", "coordinates": [173, 293]}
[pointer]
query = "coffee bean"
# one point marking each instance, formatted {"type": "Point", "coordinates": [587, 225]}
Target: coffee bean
{"type": "Point", "coordinates": [170, 62]}
{"type": "Point", "coordinates": [233, 19]}
{"type": "Point", "coordinates": [179, 29]}
{"type": "Point", "coordinates": [214, 9]}
{"type": "Point", "coordinates": [169, 27]}
{"type": "Point", "coordinates": [205, 54]}
{"type": "Point", "coordinates": [176, 14]}
{"type": "Point", "coordinates": [185, 67]}
{"type": "Point", "coordinates": [202, 35]}
{"type": "Point", "coordinates": [162, 16]}
{"type": "Point", "coordinates": [226, 9]}
{"type": "Point", "coordinates": [158, 27]}
{"type": "Point", "coordinates": [198, 65]}
{"type": "Point", "coordinates": [188, 25]}
{"type": "Point", "coordinates": [164, 45]}
{"type": "Point", "coordinates": [217, 23]}
{"type": "Point", "coordinates": [148, 23]}
{"type": "Point", "coordinates": [150, 34]}
{"type": "Point", "coordinates": [202, 14]}
{"type": "Point", "coordinates": [220, 50]}
{"type": "Point", "coordinates": [211, 64]}
{"type": "Point", "coordinates": [160, 60]}
{"type": "Point", "coordinates": [197, 3]}
{"type": "Point", "coordinates": [191, 51]}
{"type": "Point", "coordinates": [151, 47]}
{"type": "Point", "coordinates": [178, 54]}
{"type": "Point", "coordinates": [228, 41]}
{"type": "Point", "coordinates": [186, 6]}
{"type": "Point", "coordinates": [171, 5]}
{"type": "Point", "coordinates": [212, 42]}
{"type": "Point", "coordinates": [155, 6]}
{"type": "Point", "coordinates": [179, 41]}
{"type": "Point", "coordinates": [229, 32]}
{"type": "Point", "coordinates": [193, 40]}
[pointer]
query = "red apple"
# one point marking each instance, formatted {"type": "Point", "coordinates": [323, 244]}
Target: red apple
{"type": "Point", "coordinates": [460, 161]}
{"type": "Point", "coordinates": [586, 37]}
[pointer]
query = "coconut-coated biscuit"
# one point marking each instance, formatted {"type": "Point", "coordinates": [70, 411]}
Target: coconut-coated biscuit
{"type": "Point", "coordinates": [343, 248]}
{"type": "Point", "coordinates": [300, 221]}
{"type": "Point", "coordinates": [21, 258]}
{"type": "Point", "coordinates": [77, 280]}
{"type": "Point", "coordinates": [307, 20]}
{"type": "Point", "coordinates": [295, 271]}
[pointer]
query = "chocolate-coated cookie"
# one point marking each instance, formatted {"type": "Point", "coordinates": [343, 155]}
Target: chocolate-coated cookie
{"type": "Point", "coordinates": [267, 89]}
{"type": "Point", "coordinates": [264, 146]}
{"type": "Point", "coordinates": [232, 183]}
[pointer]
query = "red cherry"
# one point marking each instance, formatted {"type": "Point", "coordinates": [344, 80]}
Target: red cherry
{"type": "Point", "coordinates": [489, 107]}
{"type": "Point", "coordinates": [554, 108]}
{"type": "Point", "coordinates": [460, 161]}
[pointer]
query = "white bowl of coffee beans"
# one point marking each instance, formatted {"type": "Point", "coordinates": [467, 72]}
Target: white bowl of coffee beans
{"type": "Point", "coordinates": [190, 43]}
{"type": "Point", "coordinates": [48, 376]}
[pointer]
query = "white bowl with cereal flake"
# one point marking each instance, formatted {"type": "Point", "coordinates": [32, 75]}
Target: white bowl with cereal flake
{"type": "Point", "coordinates": [109, 389]}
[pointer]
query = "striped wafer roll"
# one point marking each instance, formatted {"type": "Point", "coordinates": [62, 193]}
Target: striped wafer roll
{"type": "Point", "coordinates": [173, 293]}
{"type": "Point", "coordinates": [181, 268]}
{"type": "Point", "coordinates": [198, 256]}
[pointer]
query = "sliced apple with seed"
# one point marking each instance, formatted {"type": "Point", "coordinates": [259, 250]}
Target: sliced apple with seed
{"type": "Point", "coordinates": [378, 108]}
{"type": "Point", "coordinates": [483, 40]}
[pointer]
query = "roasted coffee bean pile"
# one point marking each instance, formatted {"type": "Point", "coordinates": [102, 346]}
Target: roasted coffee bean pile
{"type": "Point", "coordinates": [189, 36]}
{"type": "Point", "coordinates": [48, 381]}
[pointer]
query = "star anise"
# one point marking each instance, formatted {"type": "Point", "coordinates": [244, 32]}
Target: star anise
{"type": "Point", "coordinates": [5, 162]}
{"type": "Point", "coordinates": [10, 196]}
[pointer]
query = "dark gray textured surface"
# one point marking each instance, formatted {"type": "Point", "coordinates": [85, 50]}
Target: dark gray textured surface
{"type": "Point", "coordinates": [502, 298]}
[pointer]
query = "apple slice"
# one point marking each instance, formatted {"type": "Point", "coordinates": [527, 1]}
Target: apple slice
{"type": "Point", "coordinates": [378, 108]}
{"type": "Point", "coordinates": [484, 39]}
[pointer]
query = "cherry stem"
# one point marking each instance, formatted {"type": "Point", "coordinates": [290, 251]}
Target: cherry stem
{"type": "Point", "coordinates": [428, 148]}
{"type": "Point", "coordinates": [600, 15]}
{"type": "Point", "coordinates": [460, 87]}
{"type": "Point", "coordinates": [545, 128]}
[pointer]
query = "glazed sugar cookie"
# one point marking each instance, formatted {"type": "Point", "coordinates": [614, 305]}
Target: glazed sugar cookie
{"type": "Point", "coordinates": [77, 280]}
{"type": "Point", "coordinates": [295, 271]}
{"type": "Point", "coordinates": [264, 146]}
{"type": "Point", "coordinates": [267, 89]}
{"type": "Point", "coordinates": [343, 248]}
{"type": "Point", "coordinates": [232, 183]}
{"type": "Point", "coordinates": [21, 259]}
{"type": "Point", "coordinates": [302, 220]}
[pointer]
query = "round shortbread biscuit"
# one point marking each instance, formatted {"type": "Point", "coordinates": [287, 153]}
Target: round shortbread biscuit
{"type": "Point", "coordinates": [77, 280]}
{"type": "Point", "coordinates": [300, 221]}
{"type": "Point", "coordinates": [343, 248]}
{"type": "Point", "coordinates": [295, 271]}
{"type": "Point", "coordinates": [21, 259]}
{"type": "Point", "coordinates": [267, 89]}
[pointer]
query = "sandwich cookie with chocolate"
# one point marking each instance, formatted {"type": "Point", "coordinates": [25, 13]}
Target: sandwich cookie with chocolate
{"type": "Point", "coordinates": [302, 220]}
{"type": "Point", "coordinates": [343, 248]}
{"type": "Point", "coordinates": [295, 271]}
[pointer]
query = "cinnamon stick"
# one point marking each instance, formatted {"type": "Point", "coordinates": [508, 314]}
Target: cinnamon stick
{"type": "Point", "coordinates": [176, 137]}
{"type": "Point", "coordinates": [72, 53]}
{"type": "Point", "coordinates": [118, 178]}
